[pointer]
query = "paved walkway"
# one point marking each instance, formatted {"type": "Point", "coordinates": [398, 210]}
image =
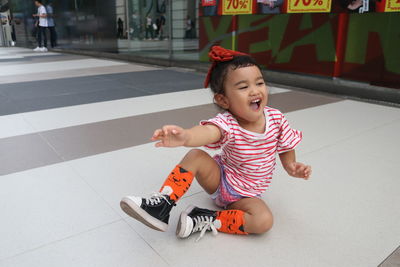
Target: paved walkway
{"type": "Point", "coordinates": [74, 139]}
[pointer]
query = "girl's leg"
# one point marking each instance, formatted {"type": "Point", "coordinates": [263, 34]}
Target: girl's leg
{"type": "Point", "coordinates": [204, 168]}
{"type": "Point", "coordinates": [154, 211]}
{"type": "Point", "coordinates": [248, 215]}
{"type": "Point", "coordinates": [258, 218]}
{"type": "Point", "coordinates": [196, 163]}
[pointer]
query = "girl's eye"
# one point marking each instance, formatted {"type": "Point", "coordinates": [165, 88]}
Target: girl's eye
{"type": "Point", "coordinates": [241, 88]}
{"type": "Point", "coordinates": [261, 83]}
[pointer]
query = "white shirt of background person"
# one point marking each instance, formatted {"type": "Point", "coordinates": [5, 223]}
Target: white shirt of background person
{"type": "Point", "coordinates": [42, 20]}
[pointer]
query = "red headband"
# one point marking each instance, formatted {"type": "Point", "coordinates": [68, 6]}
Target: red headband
{"type": "Point", "coordinates": [219, 54]}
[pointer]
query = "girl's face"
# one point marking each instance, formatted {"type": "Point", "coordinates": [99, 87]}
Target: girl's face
{"type": "Point", "coordinates": [245, 95]}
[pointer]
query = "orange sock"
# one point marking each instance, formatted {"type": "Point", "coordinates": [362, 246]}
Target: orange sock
{"type": "Point", "coordinates": [232, 222]}
{"type": "Point", "coordinates": [177, 183]}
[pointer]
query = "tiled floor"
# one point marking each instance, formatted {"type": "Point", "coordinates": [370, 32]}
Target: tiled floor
{"type": "Point", "coordinates": [74, 139]}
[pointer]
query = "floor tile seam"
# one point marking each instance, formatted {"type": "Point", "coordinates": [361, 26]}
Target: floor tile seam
{"type": "Point", "coordinates": [43, 59]}
{"type": "Point", "coordinates": [95, 77]}
{"type": "Point", "coordinates": [390, 255]}
{"type": "Point", "coordinates": [351, 137]}
{"type": "Point", "coordinates": [48, 143]}
{"type": "Point", "coordinates": [70, 75]}
{"type": "Point", "coordinates": [67, 58]}
{"type": "Point", "coordinates": [61, 240]}
{"type": "Point", "coordinates": [148, 244]}
{"type": "Point", "coordinates": [101, 63]}
{"type": "Point", "coordinates": [82, 177]}
{"type": "Point", "coordinates": [103, 76]}
{"type": "Point", "coordinates": [30, 56]}
{"type": "Point", "coordinates": [29, 63]}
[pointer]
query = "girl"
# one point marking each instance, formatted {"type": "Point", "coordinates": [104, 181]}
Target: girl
{"type": "Point", "coordinates": [249, 134]}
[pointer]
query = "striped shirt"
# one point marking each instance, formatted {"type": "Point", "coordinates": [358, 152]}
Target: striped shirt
{"type": "Point", "coordinates": [249, 158]}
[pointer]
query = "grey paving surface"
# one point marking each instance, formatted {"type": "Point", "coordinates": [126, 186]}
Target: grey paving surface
{"type": "Point", "coordinates": [37, 95]}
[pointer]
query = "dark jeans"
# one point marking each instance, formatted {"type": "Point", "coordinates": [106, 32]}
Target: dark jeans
{"type": "Point", "coordinates": [53, 36]}
{"type": "Point", "coordinates": [42, 32]}
{"type": "Point", "coordinates": [149, 29]}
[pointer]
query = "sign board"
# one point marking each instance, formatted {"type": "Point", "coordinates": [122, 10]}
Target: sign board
{"type": "Point", "coordinates": [392, 6]}
{"type": "Point", "coordinates": [237, 7]}
{"type": "Point", "coordinates": [308, 6]}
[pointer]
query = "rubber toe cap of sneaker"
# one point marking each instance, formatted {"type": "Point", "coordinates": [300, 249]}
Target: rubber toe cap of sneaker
{"type": "Point", "coordinates": [136, 200]}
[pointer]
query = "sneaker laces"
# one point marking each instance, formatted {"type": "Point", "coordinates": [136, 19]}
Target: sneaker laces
{"type": "Point", "coordinates": [204, 223]}
{"type": "Point", "coordinates": [156, 198]}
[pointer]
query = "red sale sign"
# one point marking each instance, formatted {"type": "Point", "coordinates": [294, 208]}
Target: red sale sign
{"type": "Point", "coordinates": [208, 2]}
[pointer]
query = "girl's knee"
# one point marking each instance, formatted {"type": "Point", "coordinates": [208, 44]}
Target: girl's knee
{"type": "Point", "coordinates": [194, 160]}
{"type": "Point", "coordinates": [264, 223]}
{"type": "Point", "coordinates": [195, 155]}
{"type": "Point", "coordinates": [195, 152]}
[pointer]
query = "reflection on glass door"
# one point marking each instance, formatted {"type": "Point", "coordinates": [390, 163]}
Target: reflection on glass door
{"type": "Point", "coordinates": [162, 29]}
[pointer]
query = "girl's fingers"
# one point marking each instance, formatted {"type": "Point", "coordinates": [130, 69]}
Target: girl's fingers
{"type": "Point", "coordinates": [159, 144]}
{"type": "Point", "coordinates": [157, 133]}
{"type": "Point", "coordinates": [307, 172]}
{"type": "Point", "coordinates": [165, 131]}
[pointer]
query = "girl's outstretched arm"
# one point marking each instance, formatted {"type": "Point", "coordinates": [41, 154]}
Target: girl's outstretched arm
{"type": "Point", "coordinates": [173, 136]}
{"type": "Point", "coordinates": [293, 168]}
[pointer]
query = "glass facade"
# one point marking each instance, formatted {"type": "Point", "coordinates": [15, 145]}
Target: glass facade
{"type": "Point", "coordinates": [162, 29]}
{"type": "Point", "coordinates": [80, 24]}
{"type": "Point", "coordinates": [151, 28]}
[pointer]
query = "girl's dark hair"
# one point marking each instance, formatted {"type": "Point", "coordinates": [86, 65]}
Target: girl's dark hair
{"type": "Point", "coordinates": [220, 71]}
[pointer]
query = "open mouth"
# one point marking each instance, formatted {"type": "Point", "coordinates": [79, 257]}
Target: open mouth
{"type": "Point", "coordinates": [255, 104]}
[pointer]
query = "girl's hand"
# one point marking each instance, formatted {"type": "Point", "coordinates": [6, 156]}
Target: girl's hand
{"type": "Point", "coordinates": [170, 136]}
{"type": "Point", "coordinates": [299, 170]}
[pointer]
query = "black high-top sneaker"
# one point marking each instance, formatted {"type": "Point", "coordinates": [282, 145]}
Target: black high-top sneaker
{"type": "Point", "coordinates": [195, 219]}
{"type": "Point", "coordinates": [152, 211]}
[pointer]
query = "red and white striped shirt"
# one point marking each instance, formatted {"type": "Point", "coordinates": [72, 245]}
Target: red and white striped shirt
{"type": "Point", "coordinates": [249, 158]}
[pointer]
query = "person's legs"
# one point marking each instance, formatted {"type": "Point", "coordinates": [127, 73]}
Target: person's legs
{"type": "Point", "coordinates": [39, 36]}
{"type": "Point", "coordinates": [152, 32]}
{"type": "Point", "coordinates": [204, 167]}
{"type": "Point", "coordinates": [257, 216]}
{"type": "Point", "coordinates": [43, 32]}
{"type": "Point", "coordinates": [245, 216]}
{"type": "Point", "coordinates": [52, 37]}
{"type": "Point", "coordinates": [154, 211]}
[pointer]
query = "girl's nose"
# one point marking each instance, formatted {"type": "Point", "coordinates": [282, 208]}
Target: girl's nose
{"type": "Point", "coordinates": [253, 90]}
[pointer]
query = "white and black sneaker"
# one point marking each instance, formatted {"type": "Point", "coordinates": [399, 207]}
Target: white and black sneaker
{"type": "Point", "coordinates": [195, 219]}
{"type": "Point", "coordinates": [152, 211]}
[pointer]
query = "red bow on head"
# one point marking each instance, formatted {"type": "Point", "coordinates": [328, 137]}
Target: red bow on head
{"type": "Point", "coordinates": [219, 54]}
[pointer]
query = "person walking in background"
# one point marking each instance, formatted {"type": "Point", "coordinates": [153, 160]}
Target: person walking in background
{"type": "Point", "coordinates": [41, 26]}
{"type": "Point", "coordinates": [120, 28]}
{"type": "Point", "coordinates": [188, 27]}
{"type": "Point", "coordinates": [160, 26]}
{"type": "Point", "coordinates": [149, 28]}
{"type": "Point", "coordinates": [51, 25]}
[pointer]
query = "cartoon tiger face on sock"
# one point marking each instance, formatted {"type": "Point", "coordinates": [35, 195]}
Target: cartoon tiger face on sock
{"type": "Point", "coordinates": [177, 183]}
{"type": "Point", "coordinates": [232, 221]}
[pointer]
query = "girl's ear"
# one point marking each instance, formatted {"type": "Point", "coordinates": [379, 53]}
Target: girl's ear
{"type": "Point", "coordinates": [221, 101]}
